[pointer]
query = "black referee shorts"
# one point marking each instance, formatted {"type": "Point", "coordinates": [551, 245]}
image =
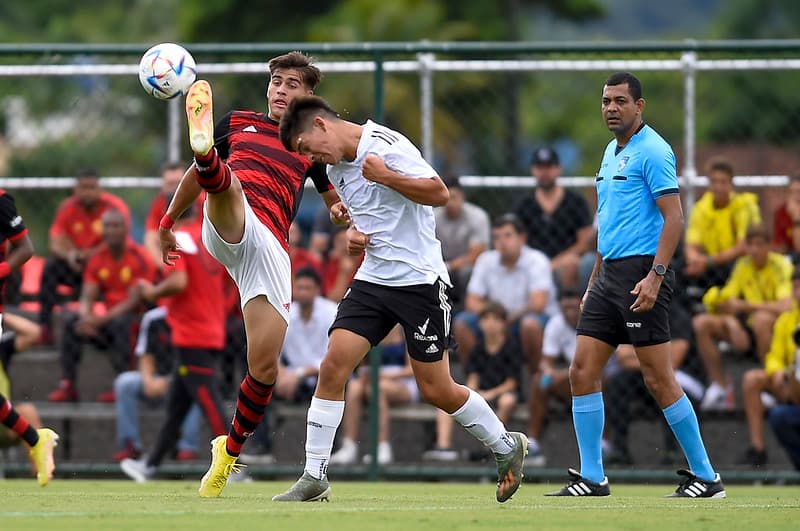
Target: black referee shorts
{"type": "Point", "coordinates": [607, 315]}
{"type": "Point", "coordinates": [423, 310]}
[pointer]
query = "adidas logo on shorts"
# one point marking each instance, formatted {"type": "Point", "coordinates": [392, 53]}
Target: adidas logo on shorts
{"type": "Point", "coordinates": [433, 349]}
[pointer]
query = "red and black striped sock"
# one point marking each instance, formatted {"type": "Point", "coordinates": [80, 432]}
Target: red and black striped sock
{"type": "Point", "coordinates": [253, 399]}
{"type": "Point", "coordinates": [212, 174]}
{"type": "Point", "coordinates": [9, 417]}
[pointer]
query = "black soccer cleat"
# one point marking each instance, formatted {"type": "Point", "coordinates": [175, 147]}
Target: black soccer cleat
{"type": "Point", "coordinates": [578, 486]}
{"type": "Point", "coordinates": [695, 487]}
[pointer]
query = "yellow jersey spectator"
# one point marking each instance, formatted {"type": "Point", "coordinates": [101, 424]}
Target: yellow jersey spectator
{"type": "Point", "coordinates": [743, 312]}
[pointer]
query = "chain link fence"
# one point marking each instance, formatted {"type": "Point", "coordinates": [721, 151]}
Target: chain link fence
{"type": "Point", "coordinates": [478, 113]}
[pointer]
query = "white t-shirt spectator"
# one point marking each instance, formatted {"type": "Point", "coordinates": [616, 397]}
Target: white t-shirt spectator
{"type": "Point", "coordinates": [560, 339]}
{"type": "Point", "coordinates": [307, 341]}
{"type": "Point", "coordinates": [471, 227]}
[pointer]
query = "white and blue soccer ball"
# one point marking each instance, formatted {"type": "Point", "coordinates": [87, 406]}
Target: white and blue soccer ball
{"type": "Point", "coordinates": [167, 70]}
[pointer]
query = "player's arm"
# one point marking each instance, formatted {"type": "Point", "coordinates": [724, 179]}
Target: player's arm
{"type": "Point", "coordinates": [431, 191]}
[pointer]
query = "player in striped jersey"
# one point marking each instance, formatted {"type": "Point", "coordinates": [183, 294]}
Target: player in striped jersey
{"type": "Point", "coordinates": [254, 186]}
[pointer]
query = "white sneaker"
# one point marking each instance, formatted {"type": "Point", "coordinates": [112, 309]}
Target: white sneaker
{"type": "Point", "coordinates": [767, 400]}
{"type": "Point", "coordinates": [717, 398]}
{"type": "Point", "coordinates": [346, 455]}
{"type": "Point", "coordinates": [137, 470]}
{"type": "Point", "coordinates": [385, 455]}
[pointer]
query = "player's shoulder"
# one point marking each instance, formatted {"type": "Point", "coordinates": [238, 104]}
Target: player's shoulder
{"type": "Point", "coordinates": [380, 138]}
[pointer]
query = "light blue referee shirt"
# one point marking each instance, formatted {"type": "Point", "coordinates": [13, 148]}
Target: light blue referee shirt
{"type": "Point", "coordinates": [628, 184]}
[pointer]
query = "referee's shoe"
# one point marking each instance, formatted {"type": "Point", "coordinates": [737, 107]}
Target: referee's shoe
{"type": "Point", "coordinates": [695, 487]}
{"type": "Point", "coordinates": [578, 486]}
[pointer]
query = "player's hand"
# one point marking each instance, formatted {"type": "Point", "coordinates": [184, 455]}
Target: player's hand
{"type": "Point", "coordinates": [357, 241]}
{"type": "Point", "coordinates": [339, 214]}
{"type": "Point", "coordinates": [374, 169]}
{"type": "Point", "coordinates": [646, 291]}
{"type": "Point", "coordinates": [169, 246]}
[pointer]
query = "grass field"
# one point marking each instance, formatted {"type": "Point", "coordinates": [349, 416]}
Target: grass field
{"type": "Point", "coordinates": [117, 505]}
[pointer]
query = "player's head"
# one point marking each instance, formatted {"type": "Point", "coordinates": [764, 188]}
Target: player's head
{"type": "Point", "coordinates": [622, 102]}
{"type": "Point", "coordinates": [508, 237]}
{"type": "Point", "coordinates": [290, 75]}
{"type": "Point", "coordinates": [455, 205]}
{"type": "Point", "coordinates": [87, 187]}
{"type": "Point", "coordinates": [720, 180]}
{"type": "Point", "coordinates": [492, 319]}
{"type": "Point", "coordinates": [171, 174]}
{"type": "Point", "coordinates": [115, 228]}
{"type": "Point", "coordinates": [306, 128]}
{"type": "Point", "coordinates": [545, 167]}
{"type": "Point", "coordinates": [306, 286]}
{"type": "Point", "coordinates": [569, 301]}
{"type": "Point", "coordinates": [757, 244]}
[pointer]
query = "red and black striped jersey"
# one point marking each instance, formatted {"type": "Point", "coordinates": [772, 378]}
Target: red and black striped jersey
{"type": "Point", "coordinates": [12, 228]}
{"type": "Point", "coordinates": [272, 178]}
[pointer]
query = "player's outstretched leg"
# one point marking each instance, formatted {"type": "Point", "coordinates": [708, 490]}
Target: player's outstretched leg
{"type": "Point", "coordinates": [307, 489]}
{"type": "Point", "coordinates": [222, 465]}
{"type": "Point", "coordinates": [212, 174]}
{"type": "Point", "coordinates": [41, 454]}
{"type": "Point", "coordinates": [580, 486]}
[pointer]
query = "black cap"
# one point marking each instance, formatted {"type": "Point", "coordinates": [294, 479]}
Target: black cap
{"type": "Point", "coordinates": [544, 156]}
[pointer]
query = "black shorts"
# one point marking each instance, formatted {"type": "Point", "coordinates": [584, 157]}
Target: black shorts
{"type": "Point", "coordinates": [607, 315]}
{"type": "Point", "coordinates": [423, 310]}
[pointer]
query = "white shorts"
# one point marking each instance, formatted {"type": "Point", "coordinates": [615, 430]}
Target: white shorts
{"type": "Point", "coordinates": [258, 264]}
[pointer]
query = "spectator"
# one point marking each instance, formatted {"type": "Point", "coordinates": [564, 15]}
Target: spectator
{"type": "Point", "coordinates": [323, 234]}
{"type": "Point", "coordinates": [112, 273]}
{"type": "Point", "coordinates": [558, 349]}
{"type": "Point", "coordinates": [339, 268]}
{"type": "Point", "coordinates": [75, 234]}
{"type": "Point", "coordinates": [19, 334]}
{"type": "Point", "coordinates": [463, 230]}
{"type": "Point", "coordinates": [299, 256]}
{"type": "Point", "coordinates": [149, 384]}
{"type": "Point", "coordinates": [775, 378]}
{"type": "Point", "coordinates": [306, 342]}
{"type": "Point", "coordinates": [785, 422]}
{"type": "Point", "coordinates": [493, 371]}
{"type": "Point", "coordinates": [396, 387]}
{"type": "Point", "coordinates": [758, 290]}
{"type": "Point", "coordinates": [717, 227]}
{"type": "Point", "coordinates": [556, 220]}
{"type": "Point", "coordinates": [518, 278]}
{"type": "Point", "coordinates": [786, 224]}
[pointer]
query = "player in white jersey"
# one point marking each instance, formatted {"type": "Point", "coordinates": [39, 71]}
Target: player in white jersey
{"type": "Point", "coordinates": [387, 192]}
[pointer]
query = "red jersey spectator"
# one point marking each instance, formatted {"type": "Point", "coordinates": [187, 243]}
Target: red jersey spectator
{"type": "Point", "coordinates": [301, 257]}
{"type": "Point", "coordinates": [74, 235]}
{"type": "Point", "coordinates": [112, 273]}
{"type": "Point", "coordinates": [786, 225]}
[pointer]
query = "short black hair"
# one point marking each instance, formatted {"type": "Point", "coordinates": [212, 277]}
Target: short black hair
{"type": "Point", "coordinates": [569, 293]}
{"type": "Point", "coordinates": [757, 231]}
{"type": "Point", "coordinates": [626, 78]}
{"type": "Point", "coordinates": [88, 173]}
{"type": "Point", "coordinates": [451, 182]}
{"type": "Point", "coordinates": [308, 272]}
{"type": "Point", "coordinates": [509, 219]}
{"type": "Point", "coordinates": [494, 308]}
{"type": "Point", "coordinates": [298, 116]}
{"type": "Point", "coordinates": [720, 164]}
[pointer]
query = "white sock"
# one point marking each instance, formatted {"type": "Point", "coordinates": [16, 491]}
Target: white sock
{"type": "Point", "coordinates": [324, 417]}
{"type": "Point", "coordinates": [482, 423]}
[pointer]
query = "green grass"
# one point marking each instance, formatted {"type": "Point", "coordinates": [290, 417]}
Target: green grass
{"type": "Point", "coordinates": [117, 505]}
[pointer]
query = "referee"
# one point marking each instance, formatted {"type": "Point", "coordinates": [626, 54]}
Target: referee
{"type": "Point", "coordinates": [627, 300]}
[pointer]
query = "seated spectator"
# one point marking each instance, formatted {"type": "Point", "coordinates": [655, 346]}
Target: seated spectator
{"type": "Point", "coordinates": [518, 278]}
{"type": "Point", "coordinates": [758, 290]}
{"type": "Point", "coordinates": [557, 220]}
{"type": "Point", "coordinates": [396, 387]}
{"type": "Point", "coordinates": [299, 256]}
{"type": "Point", "coordinates": [775, 378]}
{"type": "Point", "coordinates": [493, 371]}
{"type": "Point", "coordinates": [75, 234]}
{"type": "Point", "coordinates": [149, 384]}
{"type": "Point", "coordinates": [785, 422]}
{"type": "Point", "coordinates": [463, 230]}
{"type": "Point", "coordinates": [310, 318]}
{"type": "Point", "coordinates": [786, 223]}
{"type": "Point", "coordinates": [717, 227]}
{"type": "Point", "coordinates": [112, 274]}
{"type": "Point", "coordinates": [558, 349]}
{"type": "Point", "coordinates": [338, 268]}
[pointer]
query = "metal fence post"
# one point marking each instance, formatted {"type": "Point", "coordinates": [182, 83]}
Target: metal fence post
{"type": "Point", "coordinates": [426, 103]}
{"type": "Point", "coordinates": [174, 129]}
{"type": "Point", "coordinates": [689, 60]}
{"type": "Point", "coordinates": [374, 412]}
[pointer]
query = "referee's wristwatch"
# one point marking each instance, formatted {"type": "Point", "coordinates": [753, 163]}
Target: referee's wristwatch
{"type": "Point", "coordinates": [660, 269]}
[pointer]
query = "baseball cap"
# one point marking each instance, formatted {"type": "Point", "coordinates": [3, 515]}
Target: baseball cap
{"type": "Point", "coordinates": [544, 156]}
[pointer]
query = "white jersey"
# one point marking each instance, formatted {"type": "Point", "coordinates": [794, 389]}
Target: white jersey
{"type": "Point", "coordinates": [560, 339]}
{"type": "Point", "coordinates": [403, 249]}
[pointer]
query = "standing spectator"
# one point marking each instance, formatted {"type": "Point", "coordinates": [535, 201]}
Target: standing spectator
{"type": "Point", "coordinates": [717, 227]}
{"type": "Point", "coordinates": [518, 278]}
{"type": "Point", "coordinates": [112, 274]}
{"type": "Point", "coordinates": [758, 290]}
{"type": "Point", "coordinates": [556, 220]}
{"type": "Point", "coordinates": [463, 229]}
{"type": "Point", "coordinates": [786, 224]}
{"type": "Point", "coordinates": [196, 315]}
{"type": "Point", "coordinates": [310, 318]}
{"type": "Point", "coordinates": [149, 384]}
{"type": "Point", "coordinates": [775, 377]}
{"type": "Point", "coordinates": [75, 234]}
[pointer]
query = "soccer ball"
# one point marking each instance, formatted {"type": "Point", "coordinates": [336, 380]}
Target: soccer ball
{"type": "Point", "coordinates": [167, 71]}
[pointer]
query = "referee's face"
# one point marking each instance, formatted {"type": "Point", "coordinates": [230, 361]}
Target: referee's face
{"type": "Point", "coordinates": [620, 111]}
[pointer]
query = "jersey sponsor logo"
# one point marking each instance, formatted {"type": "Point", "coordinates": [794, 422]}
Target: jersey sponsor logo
{"type": "Point", "coordinates": [421, 337]}
{"type": "Point", "coordinates": [424, 327]}
{"type": "Point", "coordinates": [635, 324]}
{"type": "Point", "coordinates": [433, 349]}
{"type": "Point", "coordinates": [622, 163]}
{"type": "Point", "coordinates": [125, 274]}
{"type": "Point", "coordinates": [250, 129]}
{"type": "Point", "coordinates": [103, 273]}
{"type": "Point", "coordinates": [16, 221]}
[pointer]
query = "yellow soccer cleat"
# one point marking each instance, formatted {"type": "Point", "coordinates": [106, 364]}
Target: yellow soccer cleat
{"type": "Point", "coordinates": [42, 455]}
{"type": "Point", "coordinates": [199, 113]}
{"type": "Point", "coordinates": [222, 465]}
